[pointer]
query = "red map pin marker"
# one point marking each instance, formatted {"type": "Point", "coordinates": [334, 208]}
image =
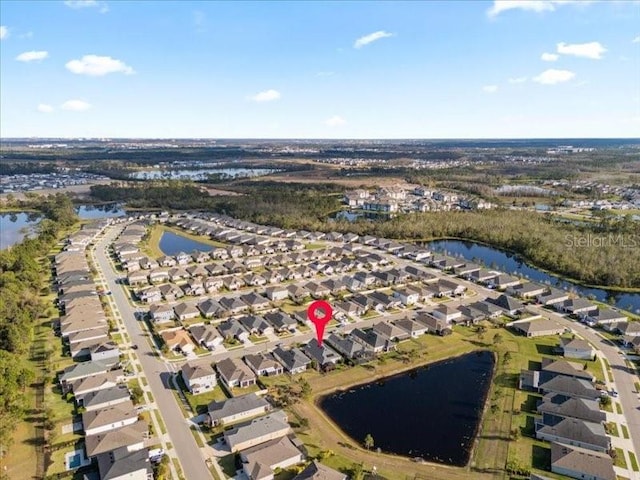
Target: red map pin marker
{"type": "Point", "coordinates": [319, 321]}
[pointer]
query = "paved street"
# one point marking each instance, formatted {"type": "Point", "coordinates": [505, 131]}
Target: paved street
{"type": "Point", "coordinates": [156, 371]}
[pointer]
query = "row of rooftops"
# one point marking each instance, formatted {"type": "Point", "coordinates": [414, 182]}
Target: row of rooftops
{"type": "Point", "coordinates": [570, 417]}
{"type": "Point", "coordinates": [113, 435]}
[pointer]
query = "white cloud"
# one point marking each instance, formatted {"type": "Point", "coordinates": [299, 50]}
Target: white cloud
{"type": "Point", "coordinates": [549, 57]}
{"type": "Point", "coordinates": [4, 32]}
{"type": "Point", "coordinates": [44, 108]}
{"type": "Point", "coordinates": [76, 106]}
{"type": "Point", "coordinates": [592, 50]}
{"type": "Point", "coordinates": [335, 121]}
{"type": "Point", "coordinates": [517, 80]}
{"type": "Point", "coordinates": [636, 40]}
{"type": "Point", "coordinates": [490, 88]}
{"type": "Point", "coordinates": [32, 56]}
{"type": "Point", "coordinates": [266, 96]}
{"type": "Point", "coordinates": [553, 76]}
{"type": "Point", "coordinates": [372, 37]}
{"type": "Point", "coordinates": [538, 6]}
{"type": "Point", "coordinates": [78, 4]}
{"type": "Point", "coordinates": [96, 66]}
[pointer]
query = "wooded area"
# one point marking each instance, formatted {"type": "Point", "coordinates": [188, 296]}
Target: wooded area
{"type": "Point", "coordinates": [23, 275]}
{"type": "Point", "coordinates": [598, 254]}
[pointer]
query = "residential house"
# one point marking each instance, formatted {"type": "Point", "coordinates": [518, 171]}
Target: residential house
{"type": "Point", "coordinates": [277, 293]}
{"type": "Point", "coordinates": [406, 296]}
{"type": "Point", "coordinates": [372, 341]}
{"type": "Point", "coordinates": [255, 301]}
{"type": "Point", "coordinates": [235, 374]}
{"type": "Point", "coordinates": [414, 329]}
{"type": "Point", "coordinates": [280, 321]}
{"type": "Point", "coordinates": [604, 316]}
{"type": "Point", "coordinates": [555, 407]}
{"type": "Point", "coordinates": [159, 275]}
{"type": "Point", "coordinates": [264, 364]}
{"type": "Point", "coordinates": [233, 305]}
{"type": "Point", "coordinates": [170, 292]}
{"type": "Point", "coordinates": [84, 386]}
{"type": "Point", "coordinates": [526, 290]}
{"type": "Point", "coordinates": [230, 329]}
{"type": "Point", "coordinates": [434, 325]}
{"type": "Point", "coordinates": [324, 356]}
{"type": "Point", "coordinates": [161, 313]}
{"type": "Point", "coordinates": [198, 377]}
{"type": "Point", "coordinates": [206, 336]}
{"type": "Point", "coordinates": [260, 430]}
{"type": "Point", "coordinates": [293, 360]}
{"type": "Point", "coordinates": [317, 471]}
{"type": "Point", "coordinates": [504, 281]}
{"type": "Point", "coordinates": [576, 432]}
{"type": "Point", "coordinates": [297, 293]}
{"type": "Point", "coordinates": [115, 416]}
{"type": "Point", "coordinates": [346, 346]}
{"type": "Point", "coordinates": [149, 295]}
{"type": "Point", "coordinates": [130, 437]}
{"type": "Point", "coordinates": [570, 387]}
{"type": "Point", "coordinates": [446, 313]}
{"type": "Point", "coordinates": [390, 331]}
{"type": "Point", "coordinates": [236, 409]}
{"type": "Point", "coordinates": [166, 261]}
{"type": "Point", "coordinates": [106, 352]}
{"type": "Point", "coordinates": [511, 306]}
{"type": "Point", "coordinates": [581, 463]}
{"type": "Point", "coordinates": [261, 461]}
{"type": "Point", "coordinates": [104, 398]}
{"type": "Point", "coordinates": [209, 308]}
{"type": "Point", "coordinates": [121, 464]}
{"type": "Point", "coordinates": [79, 371]}
{"type": "Point", "coordinates": [576, 306]}
{"type": "Point", "coordinates": [256, 325]}
{"type": "Point", "coordinates": [194, 287]}
{"type": "Point", "coordinates": [178, 340]}
{"type": "Point", "coordinates": [538, 328]}
{"type": "Point", "coordinates": [552, 297]}
{"type": "Point", "coordinates": [577, 348]}
{"type": "Point", "coordinates": [186, 311]}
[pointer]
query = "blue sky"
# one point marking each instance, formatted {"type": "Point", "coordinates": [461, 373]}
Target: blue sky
{"type": "Point", "coordinates": [473, 69]}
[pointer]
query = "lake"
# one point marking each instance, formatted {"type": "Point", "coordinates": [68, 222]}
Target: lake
{"type": "Point", "coordinates": [109, 210]}
{"type": "Point", "coordinates": [432, 412]}
{"type": "Point", "coordinates": [172, 244]}
{"type": "Point", "coordinates": [513, 264]}
{"type": "Point", "coordinates": [15, 225]}
{"type": "Point", "coordinates": [202, 174]}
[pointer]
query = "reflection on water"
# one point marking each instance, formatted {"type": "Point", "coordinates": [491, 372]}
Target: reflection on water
{"type": "Point", "coordinates": [14, 226]}
{"type": "Point", "coordinates": [511, 263]}
{"type": "Point", "coordinates": [202, 174]}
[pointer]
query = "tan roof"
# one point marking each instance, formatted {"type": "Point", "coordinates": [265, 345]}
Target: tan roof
{"type": "Point", "coordinates": [116, 413]}
{"type": "Point", "coordinates": [592, 464]}
{"type": "Point", "coordinates": [120, 437]}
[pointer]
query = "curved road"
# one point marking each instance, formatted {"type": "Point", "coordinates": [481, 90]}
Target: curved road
{"type": "Point", "coordinates": [156, 371]}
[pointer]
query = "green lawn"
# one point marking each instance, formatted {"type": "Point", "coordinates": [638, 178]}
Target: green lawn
{"type": "Point", "coordinates": [620, 461]}
{"type": "Point", "coordinates": [612, 429]}
{"type": "Point", "coordinates": [625, 431]}
{"type": "Point", "coordinates": [228, 465]}
{"type": "Point", "coordinates": [198, 403]}
{"type": "Point", "coordinates": [634, 462]}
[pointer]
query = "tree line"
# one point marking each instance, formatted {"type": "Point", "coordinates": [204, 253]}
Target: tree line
{"type": "Point", "coordinates": [22, 283]}
{"type": "Point", "coordinates": [605, 253]}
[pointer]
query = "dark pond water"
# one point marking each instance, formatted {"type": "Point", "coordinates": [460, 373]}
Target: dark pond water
{"type": "Point", "coordinates": [110, 210]}
{"type": "Point", "coordinates": [510, 263]}
{"type": "Point", "coordinates": [14, 226]}
{"type": "Point", "coordinates": [172, 244]}
{"type": "Point", "coordinates": [431, 412]}
{"type": "Point", "coordinates": [202, 174]}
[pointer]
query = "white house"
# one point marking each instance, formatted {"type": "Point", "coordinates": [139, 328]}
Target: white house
{"type": "Point", "coordinates": [198, 378]}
